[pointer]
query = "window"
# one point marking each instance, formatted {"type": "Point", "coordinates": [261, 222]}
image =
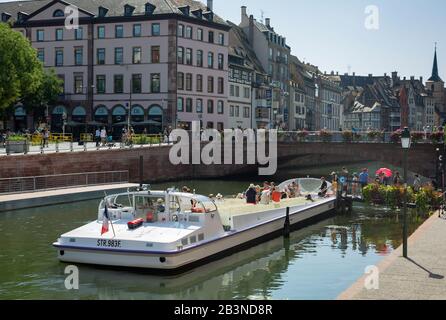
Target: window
{"type": "Point", "coordinates": [231, 90]}
{"type": "Point", "coordinates": [189, 81]}
{"type": "Point", "coordinates": [100, 55]}
{"type": "Point", "coordinates": [136, 83]}
{"type": "Point", "coordinates": [119, 31]}
{"type": "Point", "coordinates": [246, 112]}
{"type": "Point", "coordinates": [189, 32]}
{"type": "Point", "coordinates": [137, 30]}
{"type": "Point", "coordinates": [181, 30]}
{"type": "Point", "coordinates": [58, 13]}
{"type": "Point", "coordinates": [188, 105]}
{"type": "Point", "coordinates": [220, 107]}
{"type": "Point", "coordinates": [189, 56]}
{"type": "Point", "coordinates": [78, 33]}
{"type": "Point", "coordinates": [199, 58]}
{"type": "Point", "coordinates": [221, 83]}
{"type": "Point", "coordinates": [210, 84]}
{"type": "Point", "coordinates": [210, 106]}
{"type": "Point", "coordinates": [231, 111]}
{"type": "Point", "coordinates": [59, 34]}
{"type": "Point", "coordinates": [155, 54]}
{"type": "Point", "coordinates": [221, 39]}
{"type": "Point", "coordinates": [156, 29]}
{"type": "Point", "coordinates": [40, 35]}
{"type": "Point", "coordinates": [200, 34]}
{"type": "Point", "coordinates": [237, 91]}
{"type": "Point", "coordinates": [100, 83]}
{"type": "Point", "coordinates": [78, 83]}
{"type": "Point", "coordinates": [221, 61]}
{"type": "Point", "coordinates": [41, 55]}
{"type": "Point", "coordinates": [210, 125]}
{"type": "Point", "coordinates": [78, 56]}
{"type": "Point", "coordinates": [220, 127]}
{"type": "Point", "coordinates": [101, 32]}
{"type": "Point", "coordinates": [237, 111]}
{"type": "Point", "coordinates": [211, 37]}
{"type": "Point", "coordinates": [136, 58]}
{"type": "Point", "coordinates": [155, 83]}
{"type": "Point", "coordinates": [210, 60]}
{"type": "Point", "coordinates": [119, 53]}
{"type": "Point", "coordinates": [180, 55]}
{"type": "Point", "coordinates": [247, 93]}
{"type": "Point", "coordinates": [199, 106]}
{"type": "Point", "coordinates": [118, 83]}
{"type": "Point", "coordinates": [199, 83]}
{"type": "Point", "coordinates": [180, 81]}
{"type": "Point", "coordinates": [59, 57]}
{"type": "Point", "coordinates": [180, 104]}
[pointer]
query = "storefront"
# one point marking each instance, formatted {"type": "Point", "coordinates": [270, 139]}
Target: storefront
{"type": "Point", "coordinates": [57, 118]}
{"type": "Point", "coordinates": [156, 118]}
{"type": "Point", "coordinates": [101, 115]}
{"type": "Point", "coordinates": [78, 121]}
{"type": "Point", "coordinates": [20, 123]}
{"type": "Point", "coordinates": [137, 118]}
{"type": "Point", "coordinates": [119, 121]}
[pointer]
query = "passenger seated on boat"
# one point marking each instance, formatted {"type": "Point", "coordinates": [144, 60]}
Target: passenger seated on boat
{"type": "Point", "coordinates": [160, 208]}
{"type": "Point", "coordinates": [265, 197]}
{"type": "Point", "coordinates": [251, 195]}
{"type": "Point", "coordinates": [276, 195]}
{"type": "Point", "coordinates": [323, 188]}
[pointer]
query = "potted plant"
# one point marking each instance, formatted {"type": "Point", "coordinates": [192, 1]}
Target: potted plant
{"type": "Point", "coordinates": [396, 136]}
{"type": "Point", "coordinates": [17, 144]}
{"type": "Point", "coordinates": [301, 135]}
{"type": "Point", "coordinates": [417, 136]}
{"type": "Point", "coordinates": [436, 137]}
{"type": "Point", "coordinates": [325, 135]}
{"type": "Point", "coordinates": [347, 136]}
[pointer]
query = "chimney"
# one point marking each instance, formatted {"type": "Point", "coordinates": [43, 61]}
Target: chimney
{"type": "Point", "coordinates": [385, 75]}
{"type": "Point", "coordinates": [421, 80]}
{"type": "Point", "coordinates": [354, 79]}
{"type": "Point", "coordinates": [268, 22]}
{"type": "Point", "coordinates": [370, 75]}
{"type": "Point", "coordinates": [404, 78]}
{"type": "Point", "coordinates": [251, 30]}
{"type": "Point", "coordinates": [395, 77]}
{"type": "Point", "coordinates": [412, 78]}
{"type": "Point", "coordinates": [244, 15]}
{"type": "Point", "coordinates": [210, 5]}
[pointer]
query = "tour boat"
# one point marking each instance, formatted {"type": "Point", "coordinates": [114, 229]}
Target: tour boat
{"type": "Point", "coordinates": [171, 230]}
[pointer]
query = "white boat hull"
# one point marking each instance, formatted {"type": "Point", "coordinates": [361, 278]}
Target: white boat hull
{"type": "Point", "coordinates": [189, 257]}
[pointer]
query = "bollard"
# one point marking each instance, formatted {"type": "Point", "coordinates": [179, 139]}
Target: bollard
{"type": "Point", "coordinates": [41, 149]}
{"type": "Point", "coordinates": [57, 146]}
{"type": "Point", "coordinates": [71, 146]}
{"type": "Point", "coordinates": [286, 227]}
{"type": "Point", "coordinates": [85, 146]}
{"type": "Point", "coordinates": [26, 147]}
{"type": "Point", "coordinates": [8, 151]}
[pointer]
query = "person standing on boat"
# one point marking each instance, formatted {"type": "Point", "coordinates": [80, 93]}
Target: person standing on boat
{"type": "Point", "coordinates": [364, 178]}
{"type": "Point", "coordinates": [251, 195]}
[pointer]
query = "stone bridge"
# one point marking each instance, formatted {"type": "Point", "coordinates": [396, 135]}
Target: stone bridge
{"type": "Point", "coordinates": [157, 166]}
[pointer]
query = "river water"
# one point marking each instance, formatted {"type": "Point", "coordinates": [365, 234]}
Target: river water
{"type": "Point", "coordinates": [317, 262]}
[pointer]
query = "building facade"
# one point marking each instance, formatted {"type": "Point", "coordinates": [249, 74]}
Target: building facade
{"type": "Point", "coordinates": [161, 63]}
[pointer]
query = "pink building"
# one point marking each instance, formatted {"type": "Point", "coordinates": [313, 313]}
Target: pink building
{"type": "Point", "coordinates": [164, 62]}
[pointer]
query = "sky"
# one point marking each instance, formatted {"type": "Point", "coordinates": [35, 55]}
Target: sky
{"type": "Point", "coordinates": [331, 34]}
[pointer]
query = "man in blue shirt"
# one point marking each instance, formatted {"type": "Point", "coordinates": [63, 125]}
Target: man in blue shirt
{"type": "Point", "coordinates": [364, 178]}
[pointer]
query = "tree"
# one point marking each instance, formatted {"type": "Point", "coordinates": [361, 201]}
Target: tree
{"type": "Point", "coordinates": [47, 93]}
{"type": "Point", "coordinates": [22, 72]}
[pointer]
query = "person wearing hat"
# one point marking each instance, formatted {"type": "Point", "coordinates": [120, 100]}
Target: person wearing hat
{"type": "Point", "coordinates": [251, 194]}
{"type": "Point", "coordinates": [160, 206]}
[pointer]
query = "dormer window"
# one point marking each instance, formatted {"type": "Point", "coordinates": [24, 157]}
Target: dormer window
{"type": "Point", "coordinates": [185, 10]}
{"type": "Point", "coordinates": [102, 12]}
{"type": "Point", "coordinates": [209, 15]}
{"type": "Point", "coordinates": [198, 13]}
{"type": "Point", "coordinates": [128, 10]}
{"type": "Point", "coordinates": [5, 16]}
{"type": "Point", "coordinates": [150, 8]}
{"type": "Point", "coordinates": [21, 17]}
{"type": "Point", "coordinates": [58, 13]}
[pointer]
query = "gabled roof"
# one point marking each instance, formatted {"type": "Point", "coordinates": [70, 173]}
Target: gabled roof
{"type": "Point", "coordinates": [239, 46]}
{"type": "Point", "coordinates": [115, 7]}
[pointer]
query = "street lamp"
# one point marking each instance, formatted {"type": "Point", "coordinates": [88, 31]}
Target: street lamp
{"type": "Point", "coordinates": [405, 143]}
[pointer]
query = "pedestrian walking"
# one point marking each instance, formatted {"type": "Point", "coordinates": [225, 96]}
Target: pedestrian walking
{"type": "Point", "coordinates": [45, 138]}
{"type": "Point", "coordinates": [104, 136]}
{"type": "Point", "coordinates": [417, 183]}
{"type": "Point", "coordinates": [97, 137]}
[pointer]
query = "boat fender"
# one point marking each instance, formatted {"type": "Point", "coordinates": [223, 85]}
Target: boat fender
{"type": "Point", "coordinates": [150, 217]}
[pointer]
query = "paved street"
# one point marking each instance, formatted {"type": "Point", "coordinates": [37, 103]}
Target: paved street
{"type": "Point", "coordinates": [420, 277]}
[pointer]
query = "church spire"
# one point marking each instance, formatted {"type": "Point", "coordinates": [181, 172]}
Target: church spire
{"type": "Point", "coordinates": [435, 77]}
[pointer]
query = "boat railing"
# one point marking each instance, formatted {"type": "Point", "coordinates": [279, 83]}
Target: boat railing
{"type": "Point", "coordinates": [59, 181]}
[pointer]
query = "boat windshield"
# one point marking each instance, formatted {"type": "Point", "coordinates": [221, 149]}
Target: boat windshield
{"type": "Point", "coordinates": [209, 205]}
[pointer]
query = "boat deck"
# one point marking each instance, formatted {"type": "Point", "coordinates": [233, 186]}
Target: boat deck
{"type": "Point", "coordinates": [235, 207]}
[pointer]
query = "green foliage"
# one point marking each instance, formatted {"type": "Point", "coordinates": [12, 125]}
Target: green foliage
{"type": "Point", "coordinates": [393, 196]}
{"type": "Point", "coordinates": [16, 138]}
{"type": "Point", "coordinates": [48, 91]}
{"type": "Point", "coordinates": [22, 72]}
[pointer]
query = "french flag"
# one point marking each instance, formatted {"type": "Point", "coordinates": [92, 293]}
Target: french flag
{"type": "Point", "coordinates": [105, 221]}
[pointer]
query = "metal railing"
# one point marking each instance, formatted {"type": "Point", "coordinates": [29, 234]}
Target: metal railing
{"type": "Point", "coordinates": [50, 182]}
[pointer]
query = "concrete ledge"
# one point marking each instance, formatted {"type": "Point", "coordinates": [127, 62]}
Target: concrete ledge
{"type": "Point", "coordinates": [13, 202]}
